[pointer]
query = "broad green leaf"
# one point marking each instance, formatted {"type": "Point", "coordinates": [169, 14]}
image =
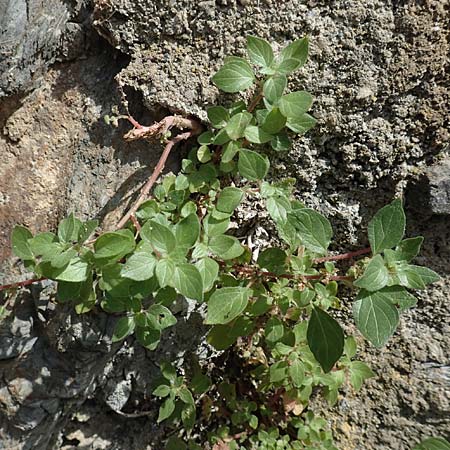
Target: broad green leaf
{"type": "Point", "coordinates": [164, 270]}
{"type": "Point", "coordinates": [314, 229]}
{"type": "Point", "coordinates": [295, 104]}
{"type": "Point", "coordinates": [20, 245]}
{"type": "Point", "coordinates": [414, 277]}
{"type": "Point", "coordinates": [376, 275]}
{"type": "Point", "coordinates": [148, 337]}
{"type": "Point", "coordinates": [274, 87]}
{"type": "Point", "coordinates": [229, 151]}
{"type": "Point", "coordinates": [433, 444]}
{"type": "Point", "coordinates": [226, 304]}
{"type": "Point", "coordinates": [148, 209]}
{"type": "Point", "coordinates": [185, 396]}
{"type": "Point", "coordinates": [274, 330]}
{"type": "Point", "coordinates": [214, 227]}
{"type": "Point", "coordinates": [375, 316]}
{"type": "Point", "coordinates": [204, 154]}
{"type": "Point", "coordinates": [259, 51]}
{"type": "Point", "coordinates": [325, 338]}
{"type": "Point", "coordinates": [77, 270]}
{"type": "Point", "coordinates": [387, 227]}
{"type": "Point", "coordinates": [45, 245]}
{"type": "Point", "coordinates": [297, 373]}
{"type": "Point", "coordinates": [140, 266]}
{"type": "Point", "coordinates": [408, 248]}
{"type": "Point", "coordinates": [168, 371]}
{"type": "Point", "coordinates": [301, 124]}
{"type": "Point", "coordinates": [188, 416]}
{"type": "Point", "coordinates": [278, 371]}
{"type": "Point", "coordinates": [278, 207]}
{"type": "Point", "coordinates": [69, 229]}
{"type": "Point", "coordinates": [399, 296]}
{"type": "Point", "coordinates": [221, 137]}
{"type": "Point", "coordinates": [273, 123]}
{"type": "Point", "coordinates": [237, 124]}
{"type": "Point", "coordinates": [113, 246]}
{"type": "Point", "coordinates": [162, 390]}
{"type": "Point", "coordinates": [200, 384]}
{"type": "Point", "coordinates": [273, 259]}
{"type": "Point", "coordinates": [225, 247]}
{"type": "Point", "coordinates": [209, 270]}
{"type": "Point", "coordinates": [358, 373]}
{"type": "Point", "coordinates": [187, 231]}
{"type": "Point", "coordinates": [281, 142]}
{"type": "Point", "coordinates": [175, 443]}
{"type": "Point", "coordinates": [68, 291]}
{"type": "Point", "coordinates": [293, 56]}
{"type": "Point", "coordinates": [252, 165]}
{"type": "Point", "coordinates": [159, 236]}
{"type": "Point", "coordinates": [160, 317]}
{"type": "Point", "coordinates": [234, 76]}
{"type": "Point", "coordinates": [218, 116]}
{"type": "Point", "coordinates": [87, 228]}
{"type": "Point", "coordinates": [124, 327]}
{"type": "Point", "coordinates": [61, 260]}
{"type": "Point", "coordinates": [257, 135]}
{"type": "Point", "coordinates": [188, 281]}
{"type": "Point", "coordinates": [206, 138]}
{"type": "Point", "coordinates": [229, 199]}
{"type": "Point", "coordinates": [166, 409]}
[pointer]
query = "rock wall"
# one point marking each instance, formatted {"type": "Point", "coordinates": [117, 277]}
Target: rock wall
{"type": "Point", "coordinates": [379, 71]}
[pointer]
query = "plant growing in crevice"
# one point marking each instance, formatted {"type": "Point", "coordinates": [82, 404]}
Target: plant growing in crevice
{"type": "Point", "coordinates": [272, 306]}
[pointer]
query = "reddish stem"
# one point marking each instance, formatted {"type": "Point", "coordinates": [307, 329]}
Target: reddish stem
{"type": "Point", "coordinates": [21, 283]}
{"type": "Point", "coordinates": [348, 255]}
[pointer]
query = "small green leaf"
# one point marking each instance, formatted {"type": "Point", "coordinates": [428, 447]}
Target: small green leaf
{"type": "Point", "coordinates": [293, 56]}
{"type": "Point", "coordinates": [215, 227]}
{"type": "Point", "coordinates": [237, 124]}
{"type": "Point", "coordinates": [20, 245]}
{"type": "Point", "coordinates": [350, 346]}
{"type": "Point", "coordinates": [229, 199]}
{"type": "Point", "coordinates": [226, 304]}
{"type": "Point", "coordinates": [235, 75]}
{"type": "Point", "coordinates": [62, 259]}
{"type": "Point", "coordinates": [166, 409]}
{"type": "Point", "coordinates": [274, 122]}
{"type": "Point", "coordinates": [218, 116]}
{"type": "Point", "coordinates": [139, 267]}
{"type": "Point", "coordinates": [164, 271]}
{"type": "Point", "coordinates": [188, 281]}
{"type": "Point", "coordinates": [187, 231]}
{"type": "Point", "coordinates": [278, 207]}
{"type": "Point", "coordinates": [77, 270]}
{"type": "Point", "coordinates": [162, 391]}
{"type": "Point", "coordinates": [274, 330]}
{"type": "Point", "coordinates": [433, 444]}
{"type": "Point", "coordinates": [225, 247]}
{"type": "Point", "coordinates": [221, 137]}
{"type": "Point", "coordinates": [124, 327]}
{"type": "Point", "coordinates": [259, 51]}
{"type": "Point", "coordinates": [229, 151]}
{"type": "Point", "coordinates": [399, 296]}
{"type": "Point", "coordinates": [204, 154]}
{"type": "Point", "coordinates": [281, 142]}
{"type": "Point", "coordinates": [358, 373]}
{"type": "Point", "coordinates": [69, 229]}
{"type": "Point", "coordinates": [209, 270]}
{"type": "Point", "coordinates": [273, 259]}
{"type": "Point", "coordinates": [159, 236]}
{"type": "Point", "coordinates": [314, 229]}
{"type": "Point", "coordinates": [274, 87]}
{"type": "Point", "coordinates": [375, 316]}
{"type": "Point", "coordinates": [252, 165]}
{"type": "Point", "coordinates": [295, 105]}
{"type": "Point", "coordinates": [325, 338]}
{"type": "Point", "coordinates": [159, 317]}
{"type": "Point", "coordinates": [113, 246]}
{"type": "Point", "coordinates": [387, 227]}
{"type": "Point", "coordinates": [278, 371]}
{"type": "Point", "coordinates": [168, 371]}
{"type": "Point", "coordinates": [46, 245]}
{"type": "Point", "coordinates": [297, 373]}
{"type": "Point", "coordinates": [185, 396]}
{"type": "Point", "coordinates": [257, 135]}
{"type": "Point", "coordinates": [376, 275]}
{"type": "Point", "coordinates": [301, 124]}
{"type": "Point", "coordinates": [408, 248]}
{"type": "Point", "coordinates": [415, 277]}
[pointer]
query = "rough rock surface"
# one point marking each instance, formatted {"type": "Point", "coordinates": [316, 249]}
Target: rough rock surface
{"type": "Point", "coordinates": [380, 73]}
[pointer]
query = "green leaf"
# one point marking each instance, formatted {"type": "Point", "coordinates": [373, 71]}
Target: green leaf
{"type": "Point", "coordinates": [415, 277]}
{"type": "Point", "coordinates": [200, 384]}
{"type": "Point", "coordinates": [252, 165]}
{"type": "Point", "coordinates": [188, 281]}
{"type": "Point", "coordinates": [166, 409]}
{"type": "Point", "coordinates": [160, 317]}
{"type": "Point", "coordinates": [293, 56]}
{"type": "Point", "coordinates": [387, 227]}
{"type": "Point", "coordinates": [273, 259]}
{"type": "Point", "coordinates": [433, 444]}
{"type": "Point", "coordinates": [358, 373]}
{"type": "Point", "coordinates": [274, 330]}
{"type": "Point", "coordinates": [218, 116]}
{"type": "Point", "coordinates": [237, 125]}
{"type": "Point", "coordinates": [148, 337]}
{"type": "Point", "coordinates": [375, 316]}
{"type": "Point", "coordinates": [297, 373]}
{"type": "Point", "coordinates": [274, 87]}
{"type": "Point", "coordinates": [164, 270]}
{"type": "Point", "coordinates": [113, 246]}
{"type": "Point", "coordinates": [206, 138]}
{"type": "Point", "coordinates": [376, 275]}
{"type": "Point", "coordinates": [168, 371]}
{"type": "Point", "coordinates": [46, 245]}
{"type": "Point", "coordinates": [209, 270]}
{"type": "Point", "coordinates": [226, 304]}
{"type": "Point", "coordinates": [187, 231]}
{"type": "Point", "coordinates": [408, 248]}
{"type": "Point", "coordinates": [325, 338]}
{"type": "Point", "coordinates": [273, 123]}
{"type": "Point", "coordinates": [162, 391]}
{"type": "Point", "coordinates": [139, 267]}
{"type": "Point", "coordinates": [159, 236]}
{"type": "Point", "coordinates": [69, 229]}
{"type": "Point", "coordinates": [278, 371]}
{"type": "Point", "coordinates": [221, 137]}
{"type": "Point", "coordinates": [20, 245]}
{"type": "Point", "coordinates": [259, 51]}
{"type": "Point", "coordinates": [236, 75]}
{"type": "Point", "coordinates": [124, 327]}
{"type": "Point", "coordinates": [294, 105]}
{"type": "Point", "coordinates": [229, 151]}
{"type": "Point", "coordinates": [204, 154]}
{"type": "Point", "coordinates": [229, 199]}
{"type": "Point", "coordinates": [225, 247]}
{"type": "Point", "coordinates": [350, 346]}
{"type": "Point", "coordinates": [278, 208]}
{"type": "Point", "coordinates": [188, 416]}
{"type": "Point", "coordinates": [257, 135]}
{"type": "Point", "coordinates": [399, 296]}
{"type": "Point", "coordinates": [281, 142]}
{"type": "Point", "coordinates": [301, 124]}
{"type": "Point", "coordinates": [77, 270]}
{"type": "Point", "coordinates": [185, 396]}
{"type": "Point", "coordinates": [87, 228]}
{"type": "Point", "coordinates": [61, 260]}
{"type": "Point", "coordinates": [215, 227]}
{"type": "Point", "coordinates": [314, 229]}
